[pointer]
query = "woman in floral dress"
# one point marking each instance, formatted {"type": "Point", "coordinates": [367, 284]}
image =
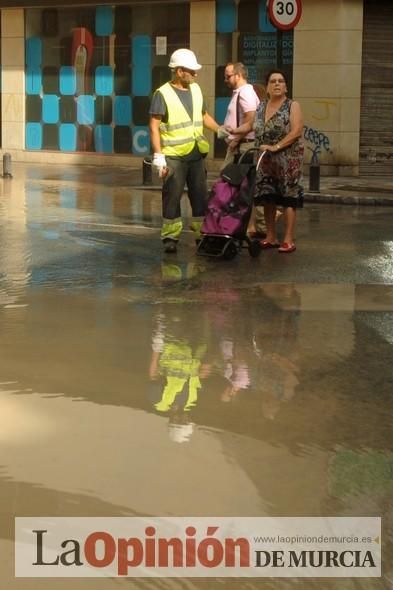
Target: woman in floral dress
{"type": "Point", "coordinates": [278, 132]}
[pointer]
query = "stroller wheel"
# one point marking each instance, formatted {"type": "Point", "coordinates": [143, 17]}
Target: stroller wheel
{"type": "Point", "coordinates": [254, 249]}
{"type": "Point", "coordinates": [230, 251]}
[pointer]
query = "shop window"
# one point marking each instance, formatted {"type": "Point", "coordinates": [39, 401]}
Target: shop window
{"type": "Point", "coordinates": [90, 73]}
{"type": "Point", "coordinates": [34, 108]}
{"type": "Point", "coordinates": [104, 110]}
{"type": "Point", "coordinates": [248, 16]}
{"type": "Point", "coordinates": [67, 137]}
{"type": "Point", "coordinates": [50, 135]}
{"type": "Point", "coordinates": [122, 140]}
{"type": "Point", "coordinates": [67, 109]}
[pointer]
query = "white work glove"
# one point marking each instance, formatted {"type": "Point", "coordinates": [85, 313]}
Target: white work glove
{"type": "Point", "coordinates": [159, 164]}
{"type": "Point", "coordinates": [222, 133]}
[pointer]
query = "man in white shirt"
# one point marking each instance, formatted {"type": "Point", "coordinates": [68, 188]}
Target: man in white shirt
{"type": "Point", "coordinates": [241, 109]}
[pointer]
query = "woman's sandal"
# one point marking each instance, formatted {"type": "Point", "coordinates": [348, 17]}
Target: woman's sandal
{"type": "Point", "coordinates": [285, 247]}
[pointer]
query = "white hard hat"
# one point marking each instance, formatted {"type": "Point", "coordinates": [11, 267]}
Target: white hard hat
{"type": "Point", "coordinates": [184, 58]}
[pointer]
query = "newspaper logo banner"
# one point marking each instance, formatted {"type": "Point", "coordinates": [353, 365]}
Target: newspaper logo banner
{"type": "Point", "coordinates": [198, 547]}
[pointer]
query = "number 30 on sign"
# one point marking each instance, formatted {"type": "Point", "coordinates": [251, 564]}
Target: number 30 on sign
{"type": "Point", "coordinates": [285, 14]}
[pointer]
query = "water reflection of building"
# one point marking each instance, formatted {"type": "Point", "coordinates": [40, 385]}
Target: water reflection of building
{"type": "Point", "coordinates": [92, 197]}
{"type": "Point", "coordinates": [277, 348]}
{"type": "Point", "coordinates": [15, 251]}
{"type": "Point", "coordinates": [299, 463]}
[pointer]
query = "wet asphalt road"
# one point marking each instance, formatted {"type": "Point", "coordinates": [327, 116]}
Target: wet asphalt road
{"type": "Point", "coordinates": [291, 414]}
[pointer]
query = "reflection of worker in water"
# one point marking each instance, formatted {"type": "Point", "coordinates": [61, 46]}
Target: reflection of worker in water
{"type": "Point", "coordinates": [180, 364]}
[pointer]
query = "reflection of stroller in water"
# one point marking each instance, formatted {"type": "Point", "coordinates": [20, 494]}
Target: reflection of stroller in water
{"type": "Point", "coordinates": [224, 229]}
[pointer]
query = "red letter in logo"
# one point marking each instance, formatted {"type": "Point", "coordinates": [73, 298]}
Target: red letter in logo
{"type": "Point", "coordinates": [109, 549]}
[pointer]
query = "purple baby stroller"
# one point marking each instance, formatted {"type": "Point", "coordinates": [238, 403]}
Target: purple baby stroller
{"type": "Point", "coordinates": [224, 229]}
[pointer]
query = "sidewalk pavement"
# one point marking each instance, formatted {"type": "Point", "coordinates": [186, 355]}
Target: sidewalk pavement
{"type": "Point", "coordinates": [352, 190]}
{"type": "Point", "coordinates": [347, 190]}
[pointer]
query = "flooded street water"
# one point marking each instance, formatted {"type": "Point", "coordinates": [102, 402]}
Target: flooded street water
{"type": "Point", "coordinates": [134, 383]}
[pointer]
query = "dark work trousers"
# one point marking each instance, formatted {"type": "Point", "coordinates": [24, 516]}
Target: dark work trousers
{"type": "Point", "coordinates": [181, 173]}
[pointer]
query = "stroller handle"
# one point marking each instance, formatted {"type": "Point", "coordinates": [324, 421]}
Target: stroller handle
{"type": "Point", "coordinates": [260, 159]}
{"type": "Point", "coordinates": [254, 149]}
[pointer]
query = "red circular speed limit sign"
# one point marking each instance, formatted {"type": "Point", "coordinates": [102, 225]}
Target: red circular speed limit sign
{"type": "Point", "coordinates": [285, 14]}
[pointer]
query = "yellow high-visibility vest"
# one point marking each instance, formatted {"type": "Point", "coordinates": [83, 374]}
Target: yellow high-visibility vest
{"type": "Point", "coordinates": [179, 133]}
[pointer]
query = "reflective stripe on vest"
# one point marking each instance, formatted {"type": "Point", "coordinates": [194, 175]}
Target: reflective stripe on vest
{"type": "Point", "coordinates": [179, 133]}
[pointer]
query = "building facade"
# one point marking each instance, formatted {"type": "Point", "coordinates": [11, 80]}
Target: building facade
{"type": "Point", "coordinates": [77, 79]}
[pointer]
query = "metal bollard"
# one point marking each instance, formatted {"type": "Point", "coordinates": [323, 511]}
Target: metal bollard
{"type": "Point", "coordinates": [315, 170]}
{"type": "Point", "coordinates": [314, 178]}
{"type": "Point", "coordinates": [147, 176]}
{"type": "Point", "coordinates": [7, 166]}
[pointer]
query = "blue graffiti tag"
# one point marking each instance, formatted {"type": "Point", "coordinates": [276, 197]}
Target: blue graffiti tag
{"type": "Point", "coordinates": [317, 138]}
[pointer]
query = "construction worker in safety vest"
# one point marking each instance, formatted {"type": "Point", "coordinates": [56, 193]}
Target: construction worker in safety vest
{"type": "Point", "coordinates": [178, 116]}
